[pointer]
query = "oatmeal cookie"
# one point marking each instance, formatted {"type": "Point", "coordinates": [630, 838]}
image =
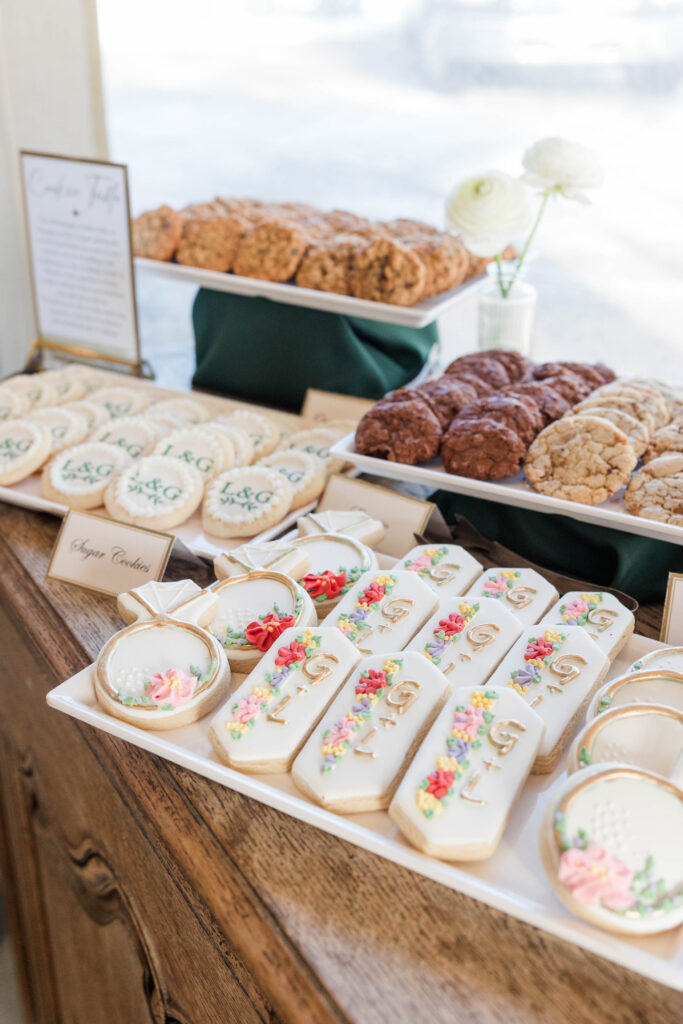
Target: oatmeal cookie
{"type": "Point", "coordinates": [272, 251]}
{"type": "Point", "coordinates": [672, 395]}
{"type": "Point", "coordinates": [156, 233]}
{"type": "Point", "coordinates": [210, 241]}
{"type": "Point", "coordinates": [445, 261]}
{"type": "Point", "coordinates": [253, 210]}
{"type": "Point", "coordinates": [549, 401]}
{"type": "Point", "coordinates": [656, 490]}
{"type": "Point", "coordinates": [580, 458]}
{"type": "Point", "coordinates": [483, 449]}
{"type": "Point", "coordinates": [519, 414]}
{"type": "Point", "coordinates": [651, 399]}
{"type": "Point", "coordinates": [665, 441]}
{"type": "Point", "coordinates": [388, 272]}
{"type": "Point", "coordinates": [404, 227]}
{"type": "Point", "coordinates": [402, 427]}
{"type": "Point", "coordinates": [487, 369]}
{"type": "Point", "coordinates": [633, 406]}
{"type": "Point", "coordinates": [447, 396]}
{"type": "Point", "coordinates": [343, 222]}
{"type": "Point", "coordinates": [635, 430]}
{"type": "Point", "coordinates": [328, 265]}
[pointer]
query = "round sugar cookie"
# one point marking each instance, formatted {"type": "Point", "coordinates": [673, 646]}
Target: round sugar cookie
{"type": "Point", "coordinates": [245, 501]}
{"type": "Point", "coordinates": [648, 686]}
{"type": "Point", "coordinates": [120, 401]}
{"type": "Point", "coordinates": [12, 403]}
{"type": "Point", "coordinates": [134, 434]}
{"type": "Point", "coordinates": [317, 442]}
{"type": "Point", "coordinates": [648, 736]}
{"type": "Point", "coordinates": [242, 443]}
{"type": "Point", "coordinates": [78, 476]}
{"type": "Point", "coordinates": [66, 428]}
{"type": "Point", "coordinates": [306, 473]}
{"type": "Point", "coordinates": [337, 563]}
{"type": "Point", "coordinates": [210, 454]}
{"type": "Point", "coordinates": [182, 410]}
{"type": "Point", "coordinates": [24, 447]}
{"type": "Point", "coordinates": [95, 415]}
{"type": "Point", "coordinates": [69, 386]}
{"type": "Point", "coordinates": [261, 429]}
{"type": "Point", "coordinates": [154, 491]}
{"type": "Point", "coordinates": [36, 389]}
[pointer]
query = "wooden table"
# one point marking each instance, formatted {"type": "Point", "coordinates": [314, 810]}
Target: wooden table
{"type": "Point", "coordinates": [138, 892]}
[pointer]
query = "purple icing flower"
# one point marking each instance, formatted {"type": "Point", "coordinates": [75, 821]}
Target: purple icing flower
{"type": "Point", "coordinates": [359, 615]}
{"type": "Point", "coordinates": [459, 749]}
{"type": "Point", "coordinates": [361, 706]}
{"type": "Point", "coordinates": [437, 646]}
{"type": "Point", "coordinates": [526, 676]}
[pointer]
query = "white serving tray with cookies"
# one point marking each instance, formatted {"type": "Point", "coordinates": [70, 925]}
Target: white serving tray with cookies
{"type": "Point", "coordinates": [512, 880]}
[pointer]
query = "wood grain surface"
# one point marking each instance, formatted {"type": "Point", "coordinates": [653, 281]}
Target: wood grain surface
{"type": "Point", "coordinates": [140, 892]}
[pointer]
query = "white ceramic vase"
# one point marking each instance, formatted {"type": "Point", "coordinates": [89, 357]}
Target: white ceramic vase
{"type": "Point", "coordinates": [506, 322]}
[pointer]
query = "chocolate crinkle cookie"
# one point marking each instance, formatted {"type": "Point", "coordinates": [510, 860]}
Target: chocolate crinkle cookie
{"type": "Point", "coordinates": [566, 382]}
{"type": "Point", "coordinates": [402, 427]}
{"type": "Point", "coordinates": [483, 449]}
{"type": "Point", "coordinates": [491, 371]}
{"type": "Point", "coordinates": [550, 402]}
{"type": "Point", "coordinates": [482, 387]}
{"type": "Point", "coordinates": [519, 414]}
{"type": "Point", "coordinates": [515, 364]}
{"type": "Point", "coordinates": [448, 396]}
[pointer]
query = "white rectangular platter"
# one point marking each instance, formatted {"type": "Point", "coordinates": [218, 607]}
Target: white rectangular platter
{"type": "Point", "coordinates": [511, 491]}
{"type": "Point", "coordinates": [420, 315]}
{"type": "Point", "coordinates": [512, 880]}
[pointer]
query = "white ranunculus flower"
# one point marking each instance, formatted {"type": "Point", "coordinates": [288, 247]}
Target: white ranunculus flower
{"type": "Point", "coordinates": [562, 166]}
{"type": "Point", "coordinates": [487, 210]}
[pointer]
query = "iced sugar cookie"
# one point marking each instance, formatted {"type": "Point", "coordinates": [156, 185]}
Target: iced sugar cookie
{"type": "Point", "coordinates": [466, 639]}
{"type": "Point", "coordinates": [154, 491]}
{"type": "Point", "coordinates": [264, 433]}
{"type": "Point", "coordinates": [68, 386]}
{"type": "Point", "coordinates": [242, 443]}
{"type": "Point", "coordinates": [245, 501]}
{"type": "Point", "coordinates": [603, 617]}
{"type": "Point", "coordinates": [555, 669]}
{"type": "Point", "coordinates": [523, 592]}
{"type": "Point", "coordinates": [647, 736]}
{"type": "Point", "coordinates": [78, 476]}
{"type": "Point", "coordinates": [456, 796]}
{"type": "Point", "coordinates": [263, 725]}
{"type": "Point", "coordinates": [135, 435]}
{"type": "Point", "coordinates": [357, 754]}
{"type": "Point", "coordinates": [305, 473]}
{"type": "Point", "coordinates": [210, 454]}
{"type": "Point", "coordinates": [36, 389]}
{"type": "Point", "coordinates": [317, 442]}
{"type": "Point", "coordinates": [352, 522]}
{"type": "Point", "coordinates": [120, 401]}
{"type": "Point", "coordinates": [254, 610]}
{"type": "Point", "coordinates": [95, 415]}
{"type": "Point", "coordinates": [657, 686]}
{"type": "Point", "coordinates": [670, 658]}
{"type": "Point", "coordinates": [337, 563]}
{"type": "Point", "coordinates": [611, 842]}
{"type": "Point", "coordinates": [66, 428]}
{"type": "Point", "coordinates": [383, 611]}
{"type": "Point", "coordinates": [182, 410]}
{"type": "Point", "coordinates": [24, 447]}
{"type": "Point", "coordinates": [12, 403]}
{"type": "Point", "coordinates": [278, 555]}
{"type": "Point", "coordinates": [447, 568]}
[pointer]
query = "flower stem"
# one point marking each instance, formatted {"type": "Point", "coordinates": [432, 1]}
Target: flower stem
{"type": "Point", "coordinates": [525, 250]}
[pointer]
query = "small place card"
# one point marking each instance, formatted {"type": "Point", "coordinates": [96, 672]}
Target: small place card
{"type": "Point", "coordinates": [323, 406]}
{"type": "Point", "coordinates": [672, 621]}
{"type": "Point", "coordinates": [401, 515]}
{"type": "Point", "coordinates": [100, 554]}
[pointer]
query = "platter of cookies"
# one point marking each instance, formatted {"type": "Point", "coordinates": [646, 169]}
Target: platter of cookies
{"type": "Point", "coordinates": [401, 271]}
{"type": "Point", "coordinates": [566, 438]}
{"type": "Point", "coordinates": [207, 469]}
{"type": "Point", "coordinates": [470, 724]}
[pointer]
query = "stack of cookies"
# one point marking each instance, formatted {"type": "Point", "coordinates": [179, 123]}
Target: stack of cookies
{"type": "Point", "coordinates": [400, 261]}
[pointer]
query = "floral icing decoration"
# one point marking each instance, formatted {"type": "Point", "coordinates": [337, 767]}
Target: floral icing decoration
{"type": "Point", "coordinates": [537, 655]}
{"type": "Point", "coordinates": [372, 686]}
{"type": "Point", "coordinates": [448, 631]}
{"type": "Point", "coordinates": [604, 703]}
{"type": "Point", "coordinates": [288, 660]}
{"type": "Point", "coordinates": [264, 631]}
{"type": "Point", "coordinates": [598, 878]}
{"type": "Point", "coordinates": [471, 722]}
{"type": "Point", "coordinates": [170, 689]}
{"type": "Point", "coordinates": [576, 612]}
{"type": "Point", "coordinates": [327, 585]}
{"type": "Point", "coordinates": [352, 623]}
{"type": "Point", "coordinates": [499, 583]}
{"type": "Point", "coordinates": [424, 563]}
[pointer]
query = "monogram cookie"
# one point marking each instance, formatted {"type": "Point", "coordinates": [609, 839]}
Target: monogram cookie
{"type": "Point", "coordinates": [36, 390]}
{"type": "Point", "coordinates": [12, 403]}
{"type": "Point", "coordinates": [66, 428]}
{"type": "Point", "coordinates": [336, 564]}
{"type": "Point", "coordinates": [263, 725]}
{"type": "Point", "coordinates": [447, 568]}
{"type": "Point", "coordinates": [78, 476]}
{"type": "Point", "coordinates": [317, 442]}
{"type": "Point", "coordinates": [455, 798]}
{"type": "Point", "coordinates": [264, 434]}
{"type": "Point", "coordinates": [95, 415]}
{"type": "Point", "coordinates": [154, 491]}
{"type": "Point", "coordinates": [524, 592]}
{"type": "Point", "coordinates": [245, 501]}
{"type": "Point", "coordinates": [606, 620]}
{"type": "Point", "coordinates": [242, 443]}
{"type": "Point", "coordinates": [120, 401]}
{"type": "Point", "coordinates": [305, 473]}
{"type": "Point", "coordinates": [182, 410]}
{"type": "Point", "coordinates": [24, 447]}
{"type": "Point", "coordinates": [357, 754]}
{"type": "Point", "coordinates": [649, 686]}
{"type": "Point", "coordinates": [135, 435]}
{"type": "Point", "coordinates": [351, 522]}
{"type": "Point", "coordinates": [208, 453]}
{"type": "Point", "coordinates": [648, 736]}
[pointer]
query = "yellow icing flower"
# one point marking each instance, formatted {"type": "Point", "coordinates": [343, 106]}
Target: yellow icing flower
{"type": "Point", "coordinates": [480, 700]}
{"type": "Point", "coordinates": [430, 552]}
{"type": "Point", "coordinates": [447, 764]}
{"type": "Point", "coordinates": [515, 686]}
{"type": "Point", "coordinates": [465, 608]}
{"type": "Point", "coordinates": [552, 636]}
{"type": "Point", "coordinates": [308, 639]}
{"type": "Point", "coordinates": [261, 691]}
{"type": "Point", "coordinates": [459, 734]}
{"type": "Point", "coordinates": [390, 666]}
{"type": "Point", "coordinates": [235, 727]}
{"type": "Point", "coordinates": [593, 598]}
{"type": "Point", "coordinates": [427, 802]}
{"type": "Point", "coordinates": [536, 662]}
{"type": "Point", "coordinates": [508, 574]}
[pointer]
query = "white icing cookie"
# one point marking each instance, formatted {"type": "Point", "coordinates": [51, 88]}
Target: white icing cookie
{"type": "Point", "coordinates": [24, 447]}
{"type": "Point", "coordinates": [279, 555]}
{"type": "Point", "coordinates": [78, 476]}
{"type": "Point", "coordinates": [670, 658]}
{"type": "Point", "coordinates": [383, 611]}
{"type": "Point", "coordinates": [182, 599]}
{"type": "Point", "coordinates": [69, 386]}
{"type": "Point", "coordinates": [352, 522]}
{"type": "Point", "coordinates": [305, 473]}
{"type": "Point", "coordinates": [466, 639]}
{"type": "Point", "coordinates": [264, 433]}
{"type": "Point", "coordinates": [95, 415]}
{"type": "Point", "coordinates": [155, 492]}
{"type": "Point", "coordinates": [120, 401]}
{"type": "Point", "coordinates": [245, 501]}
{"type": "Point", "coordinates": [645, 736]}
{"type": "Point", "coordinates": [12, 403]}
{"type": "Point", "coordinates": [254, 611]}
{"type": "Point", "coordinates": [182, 410]}
{"type": "Point", "coordinates": [242, 443]}
{"type": "Point", "coordinates": [456, 796]}
{"type": "Point", "coordinates": [66, 428]}
{"type": "Point", "coordinates": [263, 725]}
{"type": "Point", "coordinates": [317, 442]}
{"type": "Point", "coordinates": [447, 568]}
{"type": "Point", "coordinates": [210, 454]}
{"type": "Point", "coordinates": [336, 564]}
{"type": "Point", "coordinates": [135, 435]}
{"type": "Point", "coordinates": [651, 686]}
{"type": "Point", "coordinates": [523, 592]}
{"type": "Point", "coordinates": [611, 842]}
{"type": "Point", "coordinates": [357, 754]}
{"type": "Point", "coordinates": [603, 617]}
{"type": "Point", "coordinates": [36, 389]}
{"type": "Point", "coordinates": [555, 669]}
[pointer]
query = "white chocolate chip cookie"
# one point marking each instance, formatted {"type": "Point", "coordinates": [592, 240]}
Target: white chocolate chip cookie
{"type": "Point", "coordinates": [245, 501]}
{"type": "Point", "coordinates": [650, 398]}
{"type": "Point", "coordinates": [635, 430]}
{"type": "Point", "coordinates": [656, 490]}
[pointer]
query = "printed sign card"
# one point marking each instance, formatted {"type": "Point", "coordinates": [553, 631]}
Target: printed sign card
{"type": "Point", "coordinates": [672, 621]}
{"type": "Point", "coordinates": [323, 406]}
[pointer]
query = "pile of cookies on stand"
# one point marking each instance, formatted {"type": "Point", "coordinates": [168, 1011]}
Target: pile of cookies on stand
{"type": "Point", "coordinates": [432, 689]}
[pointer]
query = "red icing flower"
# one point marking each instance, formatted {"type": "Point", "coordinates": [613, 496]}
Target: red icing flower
{"type": "Point", "coordinates": [439, 783]}
{"type": "Point", "coordinates": [325, 584]}
{"type": "Point", "coordinates": [288, 655]}
{"type": "Point", "coordinates": [372, 682]}
{"type": "Point", "coordinates": [453, 624]}
{"type": "Point", "coordinates": [264, 634]}
{"type": "Point", "coordinates": [375, 592]}
{"type": "Point", "coordinates": [538, 649]}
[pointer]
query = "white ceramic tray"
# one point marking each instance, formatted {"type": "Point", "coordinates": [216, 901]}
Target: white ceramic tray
{"type": "Point", "coordinates": [511, 491]}
{"type": "Point", "coordinates": [423, 313]}
{"type": "Point", "coordinates": [512, 880]}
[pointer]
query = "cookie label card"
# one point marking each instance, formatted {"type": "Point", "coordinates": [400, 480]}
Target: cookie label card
{"type": "Point", "coordinates": [97, 553]}
{"type": "Point", "coordinates": [401, 515]}
{"type": "Point", "coordinates": [325, 406]}
{"type": "Point", "coordinates": [672, 621]}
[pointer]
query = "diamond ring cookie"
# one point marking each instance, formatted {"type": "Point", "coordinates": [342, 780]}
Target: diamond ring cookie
{"type": "Point", "coordinates": [78, 476]}
{"type": "Point", "coordinates": [305, 473]}
{"type": "Point", "coordinates": [24, 447]}
{"type": "Point", "coordinates": [208, 453]}
{"type": "Point", "coordinates": [266, 721]}
{"type": "Point", "coordinates": [656, 686]}
{"type": "Point", "coordinates": [447, 568]}
{"type": "Point", "coordinates": [120, 401]}
{"type": "Point", "coordinates": [610, 843]}
{"type": "Point", "coordinates": [164, 671]}
{"type": "Point", "coordinates": [336, 564]}
{"type": "Point", "coordinates": [135, 435]}
{"type": "Point", "coordinates": [603, 616]}
{"type": "Point", "coordinates": [455, 798]}
{"type": "Point", "coordinates": [352, 522]}
{"type": "Point", "coordinates": [357, 754]}
{"type": "Point", "coordinates": [655, 491]}
{"type": "Point", "coordinates": [648, 736]}
{"type": "Point", "coordinates": [245, 501]}
{"type": "Point", "coordinates": [524, 592]}
{"type": "Point", "coordinates": [580, 458]}
{"type": "Point", "coordinates": [278, 555]}
{"type": "Point", "coordinates": [154, 491]}
{"type": "Point", "coordinates": [66, 428]}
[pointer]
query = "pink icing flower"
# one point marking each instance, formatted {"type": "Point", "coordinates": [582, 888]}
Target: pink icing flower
{"type": "Point", "coordinates": [577, 608]}
{"type": "Point", "coordinates": [595, 876]}
{"type": "Point", "coordinates": [171, 687]}
{"type": "Point", "coordinates": [421, 562]}
{"type": "Point", "coordinates": [469, 721]}
{"type": "Point", "coordinates": [495, 587]}
{"type": "Point", "coordinates": [340, 732]}
{"type": "Point", "coordinates": [249, 708]}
